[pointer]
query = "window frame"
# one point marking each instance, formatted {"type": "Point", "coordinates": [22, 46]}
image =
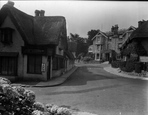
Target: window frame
{"type": "Point", "coordinates": [34, 66]}
{"type": "Point", "coordinates": [6, 35]}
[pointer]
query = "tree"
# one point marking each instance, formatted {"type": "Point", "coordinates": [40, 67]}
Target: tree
{"type": "Point", "coordinates": [74, 37]}
{"type": "Point", "coordinates": [91, 34]}
{"type": "Point", "coordinates": [82, 47]}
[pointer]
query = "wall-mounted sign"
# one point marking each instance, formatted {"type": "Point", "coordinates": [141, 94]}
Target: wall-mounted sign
{"type": "Point", "coordinates": [43, 68]}
{"type": "Point", "coordinates": [143, 58]}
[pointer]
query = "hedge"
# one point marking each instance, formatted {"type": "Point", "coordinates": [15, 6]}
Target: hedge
{"type": "Point", "coordinates": [122, 64]}
{"type": "Point", "coordinates": [130, 66]}
{"type": "Point", "coordinates": [138, 67]}
{"type": "Point", "coordinates": [115, 64]}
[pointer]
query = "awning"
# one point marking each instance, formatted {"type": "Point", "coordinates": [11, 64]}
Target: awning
{"type": "Point", "coordinates": [9, 54]}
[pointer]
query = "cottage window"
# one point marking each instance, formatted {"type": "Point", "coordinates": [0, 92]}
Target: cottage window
{"type": "Point", "coordinates": [34, 64]}
{"type": "Point", "coordinates": [119, 45]}
{"type": "Point", "coordinates": [6, 35]}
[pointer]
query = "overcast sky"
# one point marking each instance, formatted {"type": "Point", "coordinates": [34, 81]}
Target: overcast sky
{"type": "Point", "coordinates": [82, 16]}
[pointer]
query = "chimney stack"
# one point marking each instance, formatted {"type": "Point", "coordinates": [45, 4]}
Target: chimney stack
{"type": "Point", "coordinates": [37, 13]}
{"type": "Point", "coordinates": [10, 3]}
{"type": "Point", "coordinates": [140, 23]}
{"type": "Point", "coordinates": [114, 29]}
{"type": "Point", "coordinates": [42, 12]}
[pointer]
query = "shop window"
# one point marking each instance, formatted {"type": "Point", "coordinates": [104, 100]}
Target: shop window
{"type": "Point", "coordinates": [34, 64]}
{"type": "Point", "coordinates": [6, 35]}
{"type": "Point", "coordinates": [8, 65]}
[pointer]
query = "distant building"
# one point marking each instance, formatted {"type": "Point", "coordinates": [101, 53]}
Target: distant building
{"type": "Point", "coordinates": [99, 45]}
{"type": "Point", "coordinates": [116, 38]}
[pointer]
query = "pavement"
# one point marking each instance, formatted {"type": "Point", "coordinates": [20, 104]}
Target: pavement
{"type": "Point", "coordinates": [116, 71]}
{"type": "Point", "coordinates": [51, 83]}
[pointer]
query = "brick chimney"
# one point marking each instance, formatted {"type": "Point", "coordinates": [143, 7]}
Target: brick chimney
{"type": "Point", "coordinates": [114, 29]}
{"type": "Point", "coordinates": [10, 3]}
{"type": "Point", "coordinates": [42, 12]}
{"type": "Point", "coordinates": [37, 13]}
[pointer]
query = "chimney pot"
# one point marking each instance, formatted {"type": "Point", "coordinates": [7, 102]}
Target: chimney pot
{"type": "Point", "coordinates": [10, 3]}
{"type": "Point", "coordinates": [42, 12]}
{"type": "Point", "coordinates": [37, 13]}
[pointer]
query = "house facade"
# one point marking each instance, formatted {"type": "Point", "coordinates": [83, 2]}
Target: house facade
{"type": "Point", "coordinates": [116, 38]}
{"type": "Point", "coordinates": [99, 45]}
{"type": "Point", "coordinates": [32, 47]}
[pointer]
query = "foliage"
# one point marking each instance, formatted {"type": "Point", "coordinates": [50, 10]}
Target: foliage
{"type": "Point", "coordinates": [122, 64]}
{"type": "Point", "coordinates": [115, 64]}
{"type": "Point", "coordinates": [87, 59]}
{"type": "Point", "coordinates": [135, 48]}
{"type": "Point", "coordinates": [138, 67]}
{"type": "Point", "coordinates": [129, 67]}
{"type": "Point", "coordinates": [91, 34]}
{"type": "Point", "coordinates": [81, 45]}
{"type": "Point", "coordinates": [16, 100]}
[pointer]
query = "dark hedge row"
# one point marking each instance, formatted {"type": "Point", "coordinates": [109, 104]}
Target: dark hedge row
{"type": "Point", "coordinates": [129, 66]}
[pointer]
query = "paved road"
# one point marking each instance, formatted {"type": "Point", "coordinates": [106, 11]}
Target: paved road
{"type": "Point", "coordinates": [93, 90]}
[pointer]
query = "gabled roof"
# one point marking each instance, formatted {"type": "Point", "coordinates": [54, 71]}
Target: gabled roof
{"type": "Point", "coordinates": [35, 30]}
{"type": "Point", "coordinates": [130, 28]}
{"type": "Point", "coordinates": [102, 33]}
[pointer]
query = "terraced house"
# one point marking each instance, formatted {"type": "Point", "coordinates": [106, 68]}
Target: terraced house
{"type": "Point", "coordinates": [32, 47]}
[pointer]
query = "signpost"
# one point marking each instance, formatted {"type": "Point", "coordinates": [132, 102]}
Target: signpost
{"type": "Point", "coordinates": [144, 59]}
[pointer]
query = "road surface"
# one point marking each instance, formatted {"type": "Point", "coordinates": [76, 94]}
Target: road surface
{"type": "Point", "coordinates": [92, 89]}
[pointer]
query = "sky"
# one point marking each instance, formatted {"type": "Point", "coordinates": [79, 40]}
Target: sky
{"type": "Point", "coordinates": [83, 16]}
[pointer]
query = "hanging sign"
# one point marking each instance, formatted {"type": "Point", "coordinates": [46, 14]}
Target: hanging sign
{"type": "Point", "coordinates": [143, 58]}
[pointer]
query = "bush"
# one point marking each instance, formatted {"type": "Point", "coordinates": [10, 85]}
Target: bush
{"type": "Point", "coordinates": [115, 64]}
{"type": "Point", "coordinates": [138, 67]}
{"type": "Point", "coordinates": [130, 66]}
{"type": "Point", "coordinates": [122, 64]}
{"type": "Point", "coordinates": [16, 100]}
{"type": "Point", "coordinates": [87, 59]}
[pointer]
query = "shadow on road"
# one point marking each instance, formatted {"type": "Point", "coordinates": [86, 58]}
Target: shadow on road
{"type": "Point", "coordinates": [82, 75]}
{"type": "Point", "coordinates": [85, 90]}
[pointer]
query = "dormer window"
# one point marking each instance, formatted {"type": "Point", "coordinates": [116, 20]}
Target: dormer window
{"type": "Point", "coordinates": [6, 35]}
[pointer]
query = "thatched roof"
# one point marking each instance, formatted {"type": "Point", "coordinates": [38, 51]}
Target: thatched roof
{"type": "Point", "coordinates": [38, 30]}
{"type": "Point", "coordinates": [140, 32]}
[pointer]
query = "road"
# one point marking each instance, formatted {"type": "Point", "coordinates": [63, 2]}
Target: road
{"type": "Point", "coordinates": [92, 89]}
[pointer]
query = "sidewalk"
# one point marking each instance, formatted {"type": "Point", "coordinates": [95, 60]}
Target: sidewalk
{"type": "Point", "coordinates": [53, 82]}
{"type": "Point", "coordinates": [116, 72]}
